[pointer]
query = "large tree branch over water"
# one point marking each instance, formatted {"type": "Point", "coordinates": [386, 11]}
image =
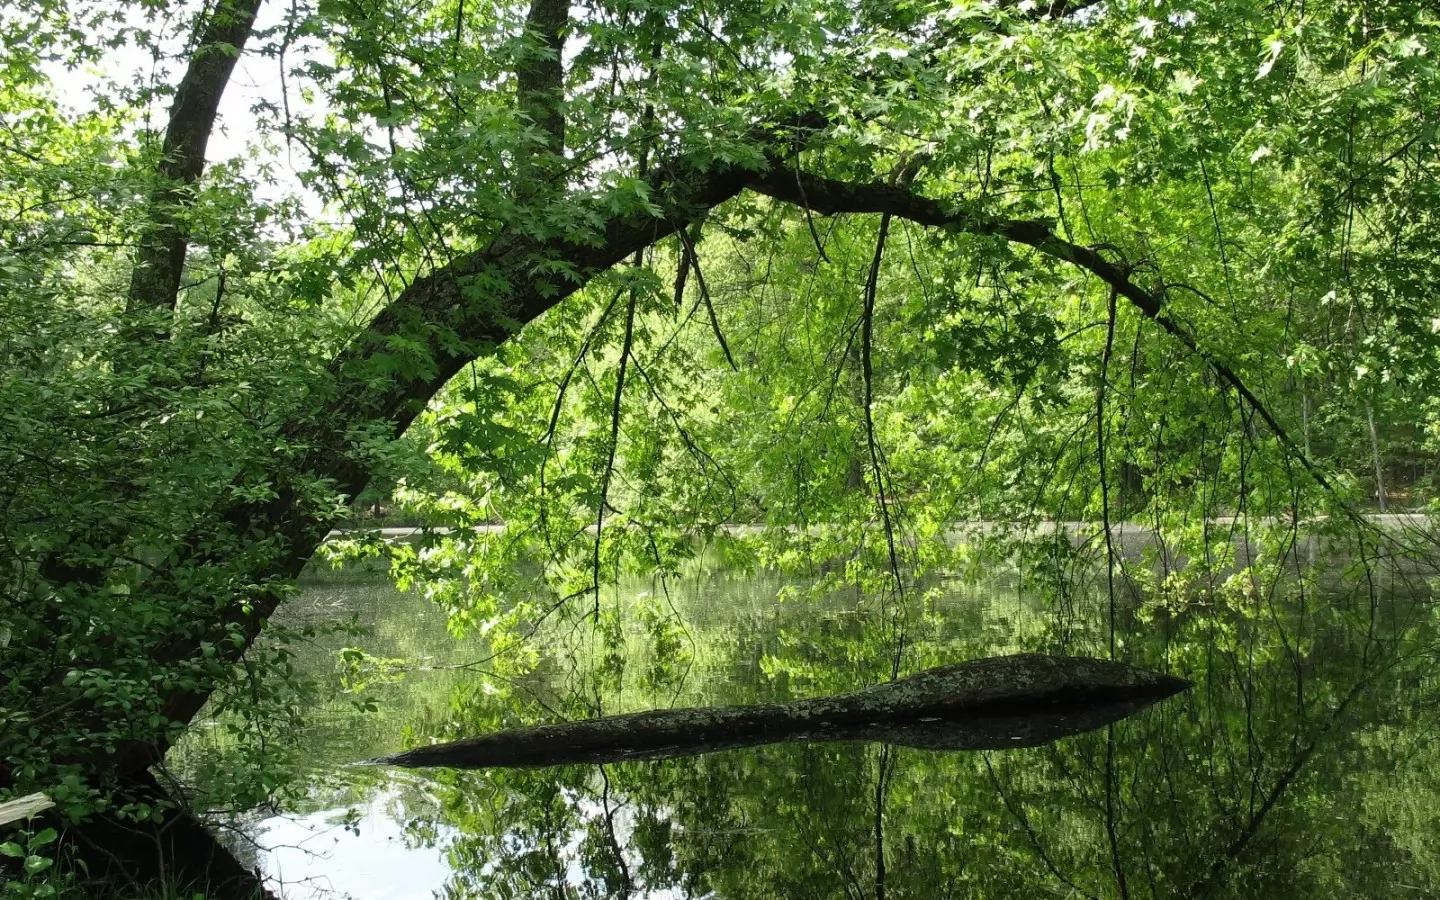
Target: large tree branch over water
{"type": "Point", "coordinates": [829, 196]}
{"type": "Point", "coordinates": [464, 310]}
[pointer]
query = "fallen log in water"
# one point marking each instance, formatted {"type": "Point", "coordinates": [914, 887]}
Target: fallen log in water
{"type": "Point", "coordinates": [986, 704]}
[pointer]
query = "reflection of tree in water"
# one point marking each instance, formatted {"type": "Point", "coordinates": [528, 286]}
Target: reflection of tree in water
{"type": "Point", "coordinates": [1270, 778]}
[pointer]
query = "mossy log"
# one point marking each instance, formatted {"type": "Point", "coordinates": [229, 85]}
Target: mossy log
{"type": "Point", "coordinates": [988, 704]}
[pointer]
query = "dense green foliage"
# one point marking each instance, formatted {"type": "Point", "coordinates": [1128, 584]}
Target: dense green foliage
{"type": "Point", "coordinates": [620, 276]}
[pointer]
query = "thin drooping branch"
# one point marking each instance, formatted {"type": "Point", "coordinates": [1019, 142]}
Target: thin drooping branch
{"type": "Point", "coordinates": [830, 197]}
{"type": "Point", "coordinates": [616, 410]}
{"type": "Point", "coordinates": [155, 281]}
{"type": "Point", "coordinates": [1101, 454]}
{"type": "Point", "coordinates": [692, 261]}
{"type": "Point", "coordinates": [877, 469]}
{"type": "Point", "coordinates": [810, 222]}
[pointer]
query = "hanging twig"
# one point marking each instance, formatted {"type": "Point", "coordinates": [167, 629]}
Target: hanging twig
{"type": "Point", "coordinates": [867, 339]}
{"type": "Point", "coordinates": [615, 408]}
{"type": "Point", "coordinates": [705, 297]}
{"type": "Point", "coordinates": [1219, 233]}
{"type": "Point", "coordinates": [1104, 469]}
{"type": "Point", "coordinates": [810, 220]}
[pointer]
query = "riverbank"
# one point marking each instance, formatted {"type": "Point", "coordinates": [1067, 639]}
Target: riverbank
{"type": "Point", "coordinates": [1388, 521]}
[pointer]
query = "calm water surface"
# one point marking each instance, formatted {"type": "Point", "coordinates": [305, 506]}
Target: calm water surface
{"type": "Point", "coordinates": [1304, 763]}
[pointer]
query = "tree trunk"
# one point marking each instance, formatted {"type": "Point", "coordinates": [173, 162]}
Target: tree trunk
{"type": "Point", "coordinates": [178, 852]}
{"type": "Point", "coordinates": [155, 281]}
{"type": "Point", "coordinates": [1375, 455]}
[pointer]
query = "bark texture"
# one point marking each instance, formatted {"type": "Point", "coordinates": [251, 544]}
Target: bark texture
{"type": "Point", "coordinates": [540, 73]}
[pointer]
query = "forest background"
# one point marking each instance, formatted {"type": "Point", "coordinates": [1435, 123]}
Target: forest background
{"type": "Point", "coordinates": [622, 275]}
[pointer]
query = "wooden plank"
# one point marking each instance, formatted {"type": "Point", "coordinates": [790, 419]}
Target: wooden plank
{"type": "Point", "coordinates": [23, 807]}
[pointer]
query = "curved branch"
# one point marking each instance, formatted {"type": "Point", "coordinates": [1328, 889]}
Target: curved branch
{"type": "Point", "coordinates": [447, 318]}
{"type": "Point", "coordinates": [830, 197]}
{"type": "Point", "coordinates": [462, 311]}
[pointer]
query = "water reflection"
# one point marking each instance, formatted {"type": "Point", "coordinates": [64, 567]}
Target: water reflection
{"type": "Point", "coordinates": [363, 851]}
{"type": "Point", "coordinates": [1302, 764]}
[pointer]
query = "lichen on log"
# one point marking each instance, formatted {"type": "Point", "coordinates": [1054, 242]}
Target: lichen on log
{"type": "Point", "coordinates": [1024, 700]}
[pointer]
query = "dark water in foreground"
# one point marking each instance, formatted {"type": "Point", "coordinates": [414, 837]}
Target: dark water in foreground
{"type": "Point", "coordinates": [1304, 762]}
